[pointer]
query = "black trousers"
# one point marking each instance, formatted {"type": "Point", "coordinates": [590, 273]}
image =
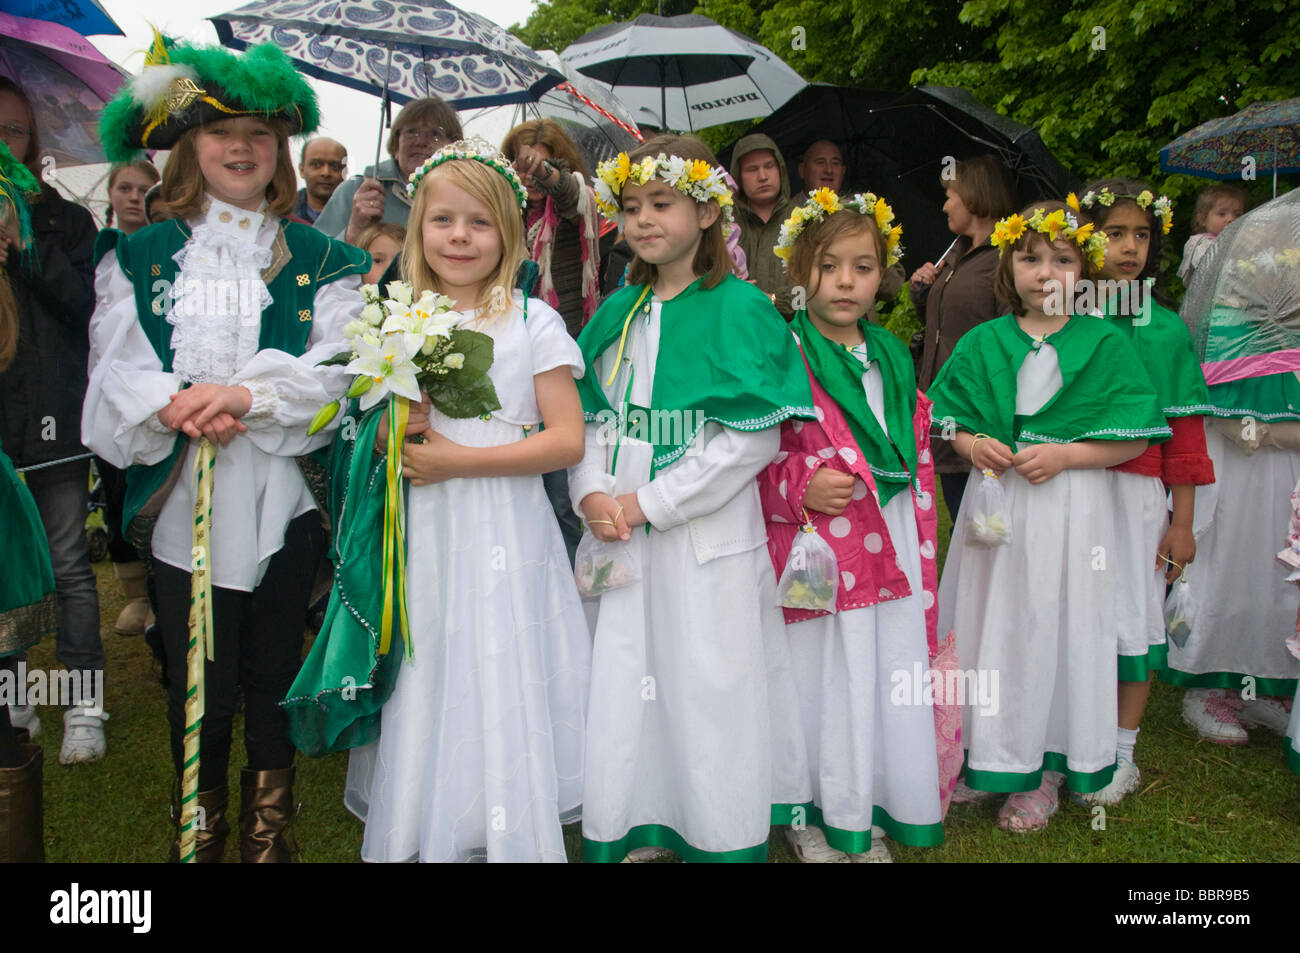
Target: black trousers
{"type": "Point", "coordinates": [954, 485]}
{"type": "Point", "coordinates": [257, 647]}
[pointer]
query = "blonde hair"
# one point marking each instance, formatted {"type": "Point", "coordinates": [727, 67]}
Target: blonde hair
{"type": "Point", "coordinates": [8, 322]}
{"type": "Point", "coordinates": [183, 184]}
{"type": "Point", "coordinates": [490, 187]}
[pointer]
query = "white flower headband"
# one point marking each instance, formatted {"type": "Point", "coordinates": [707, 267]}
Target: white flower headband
{"type": "Point", "coordinates": [694, 178]}
{"type": "Point", "coordinates": [825, 202]}
{"type": "Point", "coordinates": [1161, 208]}
{"type": "Point", "coordinates": [479, 150]}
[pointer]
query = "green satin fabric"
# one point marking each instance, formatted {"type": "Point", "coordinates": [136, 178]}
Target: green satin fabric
{"type": "Point", "coordinates": [335, 702]}
{"type": "Point", "coordinates": [27, 604]}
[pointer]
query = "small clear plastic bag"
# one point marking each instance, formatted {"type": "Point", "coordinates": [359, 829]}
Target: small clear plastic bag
{"type": "Point", "coordinates": [1180, 612]}
{"type": "Point", "coordinates": [599, 567]}
{"type": "Point", "coordinates": [811, 577]}
{"type": "Point", "coordinates": [990, 524]}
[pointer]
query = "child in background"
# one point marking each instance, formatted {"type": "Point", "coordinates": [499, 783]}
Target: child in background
{"type": "Point", "coordinates": [861, 475]}
{"type": "Point", "coordinates": [691, 371]}
{"type": "Point", "coordinates": [1043, 401]}
{"type": "Point", "coordinates": [1154, 545]}
{"type": "Point", "coordinates": [1217, 207]}
{"type": "Point", "coordinates": [231, 355]}
{"type": "Point", "coordinates": [479, 756]}
{"type": "Point", "coordinates": [384, 241]}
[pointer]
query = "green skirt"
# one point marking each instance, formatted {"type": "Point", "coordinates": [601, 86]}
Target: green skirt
{"type": "Point", "coordinates": [27, 605]}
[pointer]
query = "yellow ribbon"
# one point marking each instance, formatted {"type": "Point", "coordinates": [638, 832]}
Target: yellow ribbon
{"type": "Point", "coordinates": [200, 644]}
{"type": "Point", "coordinates": [395, 530]}
{"type": "Point", "coordinates": [618, 358]}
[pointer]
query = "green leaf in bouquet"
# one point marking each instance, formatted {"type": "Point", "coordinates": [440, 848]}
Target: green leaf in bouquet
{"type": "Point", "coordinates": [342, 357]}
{"type": "Point", "coordinates": [461, 395]}
{"type": "Point", "coordinates": [477, 348]}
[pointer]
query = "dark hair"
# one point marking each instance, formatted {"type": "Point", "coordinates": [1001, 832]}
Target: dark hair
{"type": "Point", "coordinates": [33, 158]}
{"type": "Point", "coordinates": [981, 183]}
{"type": "Point", "coordinates": [1004, 279]}
{"type": "Point", "coordinates": [183, 183]}
{"type": "Point", "coordinates": [817, 237]}
{"type": "Point", "coordinates": [430, 109]}
{"type": "Point", "coordinates": [712, 260]}
{"type": "Point", "coordinates": [548, 133]}
{"type": "Point", "coordinates": [1211, 193]}
{"type": "Point", "coordinates": [1099, 213]}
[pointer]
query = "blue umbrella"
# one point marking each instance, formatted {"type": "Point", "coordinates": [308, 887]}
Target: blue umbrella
{"type": "Point", "coordinates": [1263, 135]}
{"type": "Point", "coordinates": [86, 17]}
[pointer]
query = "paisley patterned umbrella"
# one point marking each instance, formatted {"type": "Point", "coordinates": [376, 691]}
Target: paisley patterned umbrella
{"type": "Point", "coordinates": [1262, 136]}
{"type": "Point", "coordinates": [400, 50]}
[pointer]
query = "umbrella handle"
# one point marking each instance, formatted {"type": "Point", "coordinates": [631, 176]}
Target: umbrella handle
{"type": "Point", "coordinates": [385, 108]}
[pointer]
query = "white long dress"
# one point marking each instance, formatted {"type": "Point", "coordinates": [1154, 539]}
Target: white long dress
{"type": "Point", "coordinates": [1242, 617]}
{"type": "Point", "coordinates": [682, 724]}
{"type": "Point", "coordinates": [1141, 520]}
{"type": "Point", "coordinates": [480, 754]}
{"type": "Point", "coordinates": [871, 760]}
{"type": "Point", "coordinates": [1038, 614]}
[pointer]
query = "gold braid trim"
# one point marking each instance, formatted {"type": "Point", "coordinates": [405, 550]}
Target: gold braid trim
{"type": "Point", "coordinates": [24, 626]}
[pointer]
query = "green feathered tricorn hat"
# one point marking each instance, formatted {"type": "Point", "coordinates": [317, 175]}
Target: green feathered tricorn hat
{"type": "Point", "coordinates": [16, 184]}
{"type": "Point", "coordinates": [183, 86]}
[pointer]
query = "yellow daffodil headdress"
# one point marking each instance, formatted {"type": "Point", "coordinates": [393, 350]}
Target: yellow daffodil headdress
{"type": "Point", "coordinates": [694, 178]}
{"type": "Point", "coordinates": [1161, 207]}
{"type": "Point", "coordinates": [825, 202]}
{"type": "Point", "coordinates": [478, 150]}
{"type": "Point", "coordinates": [1054, 225]}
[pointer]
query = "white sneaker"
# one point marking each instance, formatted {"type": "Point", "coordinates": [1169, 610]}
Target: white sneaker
{"type": "Point", "coordinates": [879, 853]}
{"type": "Point", "coordinates": [24, 716]}
{"type": "Point", "coordinates": [83, 735]}
{"type": "Point", "coordinates": [1270, 713]}
{"type": "Point", "coordinates": [1213, 716]}
{"type": "Point", "coordinates": [1126, 780]}
{"type": "Point", "coordinates": [646, 855]}
{"type": "Point", "coordinates": [810, 846]}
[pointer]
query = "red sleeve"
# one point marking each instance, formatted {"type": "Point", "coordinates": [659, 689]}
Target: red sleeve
{"type": "Point", "coordinates": [1183, 458]}
{"type": "Point", "coordinates": [783, 482]}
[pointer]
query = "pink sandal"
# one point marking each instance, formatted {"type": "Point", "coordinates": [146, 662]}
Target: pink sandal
{"type": "Point", "coordinates": [1029, 811]}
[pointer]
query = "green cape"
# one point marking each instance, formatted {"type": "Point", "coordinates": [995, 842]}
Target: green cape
{"type": "Point", "coordinates": [1164, 346]}
{"type": "Point", "coordinates": [725, 354]}
{"type": "Point", "coordinates": [840, 372]}
{"type": "Point", "coordinates": [1105, 392]}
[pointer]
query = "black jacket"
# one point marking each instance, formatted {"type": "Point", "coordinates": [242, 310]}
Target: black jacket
{"type": "Point", "coordinates": [42, 391]}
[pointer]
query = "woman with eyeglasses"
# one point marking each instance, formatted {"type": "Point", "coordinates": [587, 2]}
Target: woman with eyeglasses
{"type": "Point", "coordinates": [41, 393]}
{"type": "Point", "coordinates": [422, 128]}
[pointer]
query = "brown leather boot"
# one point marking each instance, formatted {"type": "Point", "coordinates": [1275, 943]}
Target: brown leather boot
{"type": "Point", "coordinates": [137, 614]}
{"type": "Point", "coordinates": [22, 824]}
{"type": "Point", "coordinates": [266, 808]}
{"type": "Point", "coordinates": [210, 839]}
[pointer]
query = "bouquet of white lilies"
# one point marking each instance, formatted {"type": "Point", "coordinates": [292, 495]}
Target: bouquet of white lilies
{"type": "Point", "coordinates": [401, 346]}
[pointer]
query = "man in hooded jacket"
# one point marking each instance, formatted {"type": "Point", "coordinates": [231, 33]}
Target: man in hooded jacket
{"type": "Point", "coordinates": [763, 204]}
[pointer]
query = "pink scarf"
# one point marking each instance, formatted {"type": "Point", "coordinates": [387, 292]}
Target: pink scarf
{"type": "Point", "coordinates": [541, 243]}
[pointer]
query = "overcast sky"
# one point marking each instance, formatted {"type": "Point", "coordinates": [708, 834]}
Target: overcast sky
{"type": "Point", "coordinates": [347, 115]}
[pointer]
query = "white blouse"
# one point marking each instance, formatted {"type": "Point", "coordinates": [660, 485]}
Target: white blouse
{"type": "Point", "coordinates": [257, 486]}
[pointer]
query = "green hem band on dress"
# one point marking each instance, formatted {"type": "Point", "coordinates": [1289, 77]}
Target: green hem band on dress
{"type": "Point", "coordinates": [21, 628]}
{"type": "Point", "coordinates": [1013, 782]}
{"type": "Point", "coordinates": [859, 842]}
{"type": "Point", "coordinates": [659, 835]}
{"type": "Point", "coordinates": [1292, 755]}
{"type": "Point", "coordinates": [1137, 668]}
{"type": "Point", "coordinates": [1230, 680]}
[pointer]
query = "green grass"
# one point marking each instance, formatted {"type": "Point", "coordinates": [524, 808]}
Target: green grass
{"type": "Point", "coordinates": [1199, 801]}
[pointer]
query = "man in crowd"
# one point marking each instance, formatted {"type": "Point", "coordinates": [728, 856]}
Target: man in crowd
{"type": "Point", "coordinates": [322, 166]}
{"type": "Point", "coordinates": [763, 204]}
{"type": "Point", "coordinates": [822, 166]}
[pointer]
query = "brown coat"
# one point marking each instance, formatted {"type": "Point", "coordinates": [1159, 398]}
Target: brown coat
{"type": "Point", "coordinates": [961, 298]}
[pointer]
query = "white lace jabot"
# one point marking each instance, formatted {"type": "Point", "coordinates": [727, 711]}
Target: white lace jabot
{"type": "Point", "coordinates": [219, 294]}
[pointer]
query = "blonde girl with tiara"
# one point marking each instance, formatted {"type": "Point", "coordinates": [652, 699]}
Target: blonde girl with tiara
{"type": "Point", "coordinates": [479, 754]}
{"type": "Point", "coordinates": [861, 476]}
{"type": "Point", "coordinates": [691, 372]}
{"type": "Point", "coordinates": [1041, 400]}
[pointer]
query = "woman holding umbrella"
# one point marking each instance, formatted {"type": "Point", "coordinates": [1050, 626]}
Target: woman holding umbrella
{"type": "Point", "coordinates": [422, 128]}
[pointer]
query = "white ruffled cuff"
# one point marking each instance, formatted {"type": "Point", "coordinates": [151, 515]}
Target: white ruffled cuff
{"type": "Point", "coordinates": [265, 398]}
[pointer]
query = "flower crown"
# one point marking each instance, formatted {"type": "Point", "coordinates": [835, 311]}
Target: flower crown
{"type": "Point", "coordinates": [1057, 224]}
{"type": "Point", "coordinates": [1161, 208]}
{"type": "Point", "coordinates": [694, 178]}
{"type": "Point", "coordinates": [479, 150]}
{"type": "Point", "coordinates": [825, 202]}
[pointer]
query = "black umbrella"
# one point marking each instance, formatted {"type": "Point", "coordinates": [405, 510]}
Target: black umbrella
{"type": "Point", "coordinates": [899, 145]}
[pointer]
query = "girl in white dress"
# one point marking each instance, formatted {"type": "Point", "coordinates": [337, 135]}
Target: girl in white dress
{"type": "Point", "coordinates": [481, 746]}
{"type": "Point", "coordinates": [1044, 400]}
{"type": "Point", "coordinates": [691, 372]}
